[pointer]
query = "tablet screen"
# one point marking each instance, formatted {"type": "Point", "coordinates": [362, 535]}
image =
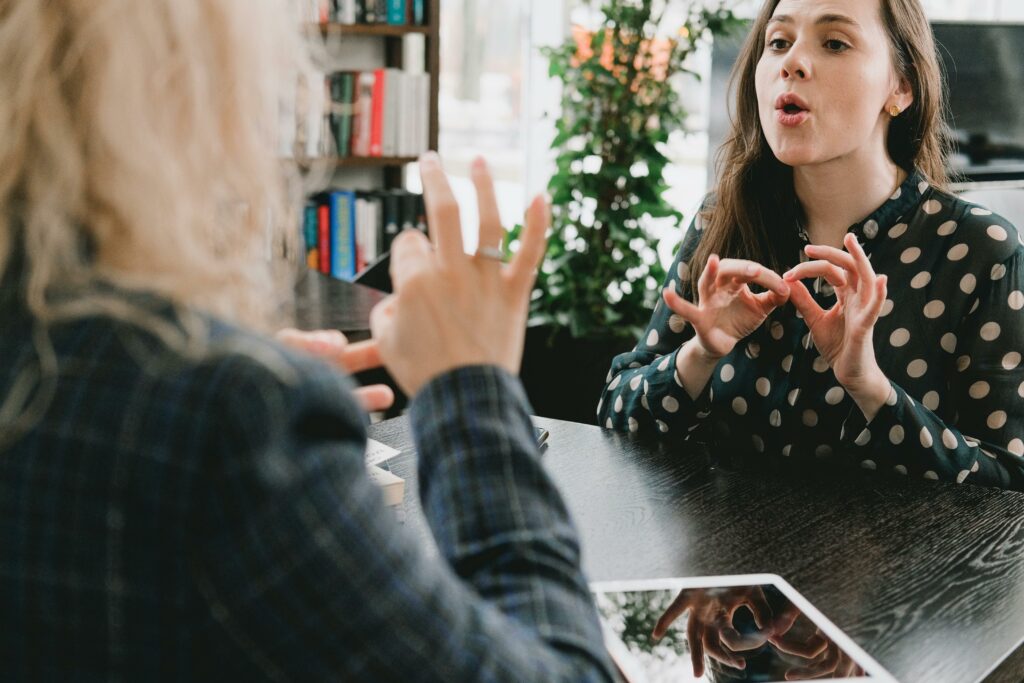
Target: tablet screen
{"type": "Point", "coordinates": [749, 632]}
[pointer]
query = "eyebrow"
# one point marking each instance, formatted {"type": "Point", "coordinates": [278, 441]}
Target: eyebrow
{"type": "Point", "coordinates": [823, 19]}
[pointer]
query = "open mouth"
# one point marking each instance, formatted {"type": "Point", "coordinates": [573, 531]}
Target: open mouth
{"type": "Point", "coordinates": [791, 104]}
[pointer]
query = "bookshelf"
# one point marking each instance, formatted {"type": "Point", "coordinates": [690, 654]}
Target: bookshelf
{"type": "Point", "coordinates": [362, 48]}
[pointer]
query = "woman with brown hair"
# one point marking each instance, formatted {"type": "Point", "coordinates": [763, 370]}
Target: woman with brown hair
{"type": "Point", "coordinates": [832, 301]}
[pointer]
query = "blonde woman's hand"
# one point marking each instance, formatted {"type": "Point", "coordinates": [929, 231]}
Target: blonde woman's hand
{"type": "Point", "coordinates": [843, 334]}
{"type": "Point", "coordinates": [449, 309]}
{"type": "Point", "coordinates": [728, 310]}
{"type": "Point", "coordinates": [333, 347]}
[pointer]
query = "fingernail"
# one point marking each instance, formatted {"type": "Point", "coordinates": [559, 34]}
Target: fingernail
{"type": "Point", "coordinates": [479, 164]}
{"type": "Point", "coordinates": [430, 160]}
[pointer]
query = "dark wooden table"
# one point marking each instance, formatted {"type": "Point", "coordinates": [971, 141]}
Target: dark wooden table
{"type": "Point", "coordinates": [927, 578]}
{"type": "Point", "coordinates": [323, 302]}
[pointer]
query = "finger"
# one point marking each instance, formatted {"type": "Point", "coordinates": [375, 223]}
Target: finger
{"type": "Point", "coordinates": [807, 649]}
{"type": "Point", "coordinates": [381, 316]}
{"type": "Point", "coordinates": [748, 271]}
{"type": "Point", "coordinates": [785, 620]}
{"type": "Point", "coordinates": [693, 639]}
{"type": "Point", "coordinates": [364, 355]}
{"type": "Point", "coordinates": [522, 269]}
{"type": "Point", "coordinates": [769, 301]}
{"type": "Point", "coordinates": [678, 606]}
{"type": "Point", "coordinates": [738, 642]}
{"type": "Point", "coordinates": [442, 211]}
{"type": "Point", "coordinates": [864, 270]}
{"type": "Point", "coordinates": [324, 343]}
{"type": "Point", "coordinates": [833, 275]}
{"type": "Point", "coordinates": [410, 254]}
{"type": "Point", "coordinates": [715, 649]}
{"type": "Point", "coordinates": [881, 291]}
{"type": "Point", "coordinates": [708, 277]}
{"type": "Point", "coordinates": [490, 220]}
{"type": "Point", "coordinates": [759, 607]}
{"type": "Point", "coordinates": [834, 256]}
{"type": "Point", "coordinates": [680, 306]}
{"type": "Point", "coordinates": [375, 397]}
{"type": "Point", "coordinates": [805, 303]}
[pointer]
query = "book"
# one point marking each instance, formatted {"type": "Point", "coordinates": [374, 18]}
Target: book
{"type": "Point", "coordinates": [310, 228]}
{"type": "Point", "coordinates": [391, 485]}
{"type": "Point", "coordinates": [396, 12]}
{"type": "Point", "coordinates": [342, 88]}
{"type": "Point", "coordinates": [377, 120]}
{"type": "Point", "coordinates": [343, 234]}
{"type": "Point", "coordinates": [362, 108]}
{"type": "Point", "coordinates": [324, 238]}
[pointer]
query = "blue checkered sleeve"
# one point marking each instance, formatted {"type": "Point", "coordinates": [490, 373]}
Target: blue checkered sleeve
{"type": "Point", "coordinates": [307, 574]}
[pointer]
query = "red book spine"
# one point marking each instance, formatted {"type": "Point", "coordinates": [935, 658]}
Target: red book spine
{"type": "Point", "coordinates": [324, 237]}
{"type": "Point", "coordinates": [377, 131]}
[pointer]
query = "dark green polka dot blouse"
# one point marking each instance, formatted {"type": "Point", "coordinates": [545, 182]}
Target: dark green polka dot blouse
{"type": "Point", "coordinates": [949, 339]}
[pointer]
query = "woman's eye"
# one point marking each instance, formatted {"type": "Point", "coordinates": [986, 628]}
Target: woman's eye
{"type": "Point", "coordinates": [777, 44]}
{"type": "Point", "coordinates": [836, 45]}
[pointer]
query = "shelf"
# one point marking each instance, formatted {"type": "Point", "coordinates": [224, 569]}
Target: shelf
{"type": "Point", "coordinates": [387, 30]}
{"type": "Point", "coordinates": [357, 162]}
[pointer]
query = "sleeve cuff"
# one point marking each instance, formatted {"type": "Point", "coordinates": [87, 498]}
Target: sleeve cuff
{"type": "Point", "coordinates": [862, 437]}
{"type": "Point", "coordinates": [671, 407]}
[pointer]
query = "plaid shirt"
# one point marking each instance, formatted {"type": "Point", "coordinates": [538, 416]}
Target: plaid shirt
{"type": "Point", "coordinates": [175, 519]}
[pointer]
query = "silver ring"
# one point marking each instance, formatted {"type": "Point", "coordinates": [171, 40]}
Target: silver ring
{"type": "Point", "coordinates": [493, 253]}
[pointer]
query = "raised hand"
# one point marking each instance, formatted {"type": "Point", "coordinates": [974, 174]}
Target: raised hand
{"type": "Point", "coordinates": [450, 309]}
{"type": "Point", "coordinates": [333, 347]}
{"type": "Point", "coordinates": [843, 333]}
{"type": "Point", "coordinates": [727, 310]}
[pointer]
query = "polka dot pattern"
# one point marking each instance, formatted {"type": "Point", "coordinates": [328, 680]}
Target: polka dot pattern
{"type": "Point", "coordinates": [950, 337]}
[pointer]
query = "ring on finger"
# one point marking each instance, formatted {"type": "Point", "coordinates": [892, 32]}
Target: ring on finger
{"type": "Point", "coordinates": [492, 253]}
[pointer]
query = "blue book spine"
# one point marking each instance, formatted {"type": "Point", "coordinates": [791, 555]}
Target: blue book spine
{"type": "Point", "coordinates": [343, 235]}
{"type": "Point", "coordinates": [418, 13]}
{"type": "Point", "coordinates": [309, 227]}
{"type": "Point", "coordinates": [334, 203]}
{"type": "Point", "coordinates": [396, 12]}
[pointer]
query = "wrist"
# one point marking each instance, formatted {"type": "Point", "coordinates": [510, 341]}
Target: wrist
{"type": "Point", "coordinates": [694, 352]}
{"type": "Point", "coordinates": [871, 394]}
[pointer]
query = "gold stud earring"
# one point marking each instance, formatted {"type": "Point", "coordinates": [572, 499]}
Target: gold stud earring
{"type": "Point", "coordinates": [894, 111]}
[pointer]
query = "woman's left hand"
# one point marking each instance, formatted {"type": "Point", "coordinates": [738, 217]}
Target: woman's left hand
{"type": "Point", "coordinates": [333, 347]}
{"type": "Point", "coordinates": [843, 334]}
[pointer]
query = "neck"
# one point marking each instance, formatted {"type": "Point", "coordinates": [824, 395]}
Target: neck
{"type": "Point", "coordinates": [836, 194]}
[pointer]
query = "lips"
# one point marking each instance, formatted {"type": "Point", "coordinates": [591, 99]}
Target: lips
{"type": "Point", "coordinates": [791, 103]}
{"type": "Point", "coordinates": [791, 109]}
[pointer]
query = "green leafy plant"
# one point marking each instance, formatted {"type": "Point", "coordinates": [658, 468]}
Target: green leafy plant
{"type": "Point", "coordinates": [601, 275]}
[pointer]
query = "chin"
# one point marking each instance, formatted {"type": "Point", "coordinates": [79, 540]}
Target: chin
{"type": "Point", "coordinates": [796, 155]}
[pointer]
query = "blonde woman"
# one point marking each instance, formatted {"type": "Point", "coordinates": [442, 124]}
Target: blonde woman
{"type": "Point", "coordinates": [834, 304]}
{"type": "Point", "coordinates": [183, 498]}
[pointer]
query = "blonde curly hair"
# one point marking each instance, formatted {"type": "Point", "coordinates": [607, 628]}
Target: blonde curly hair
{"type": "Point", "coordinates": [137, 148]}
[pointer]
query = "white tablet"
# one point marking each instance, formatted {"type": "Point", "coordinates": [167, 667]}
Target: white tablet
{"type": "Point", "coordinates": [752, 627]}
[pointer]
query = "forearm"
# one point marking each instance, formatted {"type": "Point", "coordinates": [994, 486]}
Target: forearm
{"type": "Point", "coordinates": [694, 368]}
{"type": "Point", "coordinates": [497, 517]}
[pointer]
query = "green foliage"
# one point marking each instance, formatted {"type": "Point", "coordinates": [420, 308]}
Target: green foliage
{"type": "Point", "coordinates": [601, 276]}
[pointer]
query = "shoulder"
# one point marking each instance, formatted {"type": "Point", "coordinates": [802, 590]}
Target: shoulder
{"type": "Point", "coordinates": [230, 395]}
{"type": "Point", "coordinates": [970, 231]}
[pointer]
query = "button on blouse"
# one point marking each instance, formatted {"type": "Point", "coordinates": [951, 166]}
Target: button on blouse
{"type": "Point", "coordinates": [950, 339]}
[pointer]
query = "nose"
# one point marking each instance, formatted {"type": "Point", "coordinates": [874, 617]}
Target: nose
{"type": "Point", "coordinates": [796, 65]}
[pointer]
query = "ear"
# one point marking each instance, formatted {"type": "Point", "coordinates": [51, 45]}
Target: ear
{"type": "Point", "coordinates": [903, 95]}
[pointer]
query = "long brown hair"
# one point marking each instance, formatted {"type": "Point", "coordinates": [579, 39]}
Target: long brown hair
{"type": "Point", "coordinates": [754, 193]}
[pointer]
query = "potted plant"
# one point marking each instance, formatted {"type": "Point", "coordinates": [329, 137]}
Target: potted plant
{"type": "Point", "coordinates": [601, 276]}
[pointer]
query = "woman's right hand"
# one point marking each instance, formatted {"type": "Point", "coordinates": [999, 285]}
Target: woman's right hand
{"type": "Point", "coordinates": [450, 309]}
{"type": "Point", "coordinates": [727, 311]}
